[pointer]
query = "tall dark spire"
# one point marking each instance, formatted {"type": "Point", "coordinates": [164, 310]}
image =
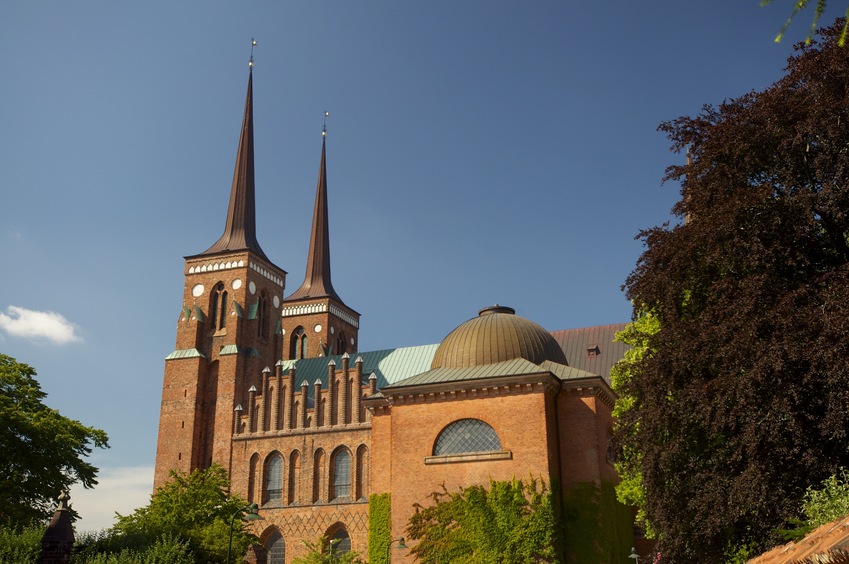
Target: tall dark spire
{"type": "Point", "coordinates": [240, 229]}
{"type": "Point", "coordinates": [317, 280]}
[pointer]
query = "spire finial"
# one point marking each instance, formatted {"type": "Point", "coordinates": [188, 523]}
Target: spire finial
{"type": "Point", "coordinates": [324, 129]}
{"type": "Point", "coordinates": [251, 61]}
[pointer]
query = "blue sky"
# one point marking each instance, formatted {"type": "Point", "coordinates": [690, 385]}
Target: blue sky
{"type": "Point", "coordinates": [478, 152]}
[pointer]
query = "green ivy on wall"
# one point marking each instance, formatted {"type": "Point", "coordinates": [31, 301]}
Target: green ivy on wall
{"type": "Point", "coordinates": [379, 527]}
{"type": "Point", "coordinates": [510, 521]}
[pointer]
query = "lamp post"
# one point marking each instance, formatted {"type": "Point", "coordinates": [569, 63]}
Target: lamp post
{"type": "Point", "coordinates": [634, 555]}
{"type": "Point", "coordinates": [401, 544]}
{"type": "Point", "coordinates": [252, 515]}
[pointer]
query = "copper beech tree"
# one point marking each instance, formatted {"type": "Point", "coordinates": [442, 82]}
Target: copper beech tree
{"type": "Point", "coordinates": [744, 401]}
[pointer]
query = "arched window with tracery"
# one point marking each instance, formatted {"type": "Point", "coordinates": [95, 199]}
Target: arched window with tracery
{"type": "Point", "coordinates": [466, 435]}
{"type": "Point", "coordinates": [274, 479]}
{"type": "Point", "coordinates": [298, 344]}
{"type": "Point", "coordinates": [294, 476]}
{"type": "Point", "coordinates": [341, 478]}
{"type": "Point", "coordinates": [341, 344]}
{"type": "Point", "coordinates": [275, 548]}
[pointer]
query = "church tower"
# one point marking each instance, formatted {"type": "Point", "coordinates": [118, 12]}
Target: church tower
{"type": "Point", "coordinates": [228, 331]}
{"type": "Point", "coordinates": [315, 320]}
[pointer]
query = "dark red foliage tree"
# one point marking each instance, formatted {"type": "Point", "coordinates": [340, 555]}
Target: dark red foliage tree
{"type": "Point", "coordinates": [745, 402]}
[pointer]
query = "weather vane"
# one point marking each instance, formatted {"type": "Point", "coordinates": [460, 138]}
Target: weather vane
{"type": "Point", "coordinates": [324, 129]}
{"type": "Point", "coordinates": [253, 44]}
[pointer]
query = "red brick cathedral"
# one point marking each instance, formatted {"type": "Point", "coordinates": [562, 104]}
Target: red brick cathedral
{"type": "Point", "coordinates": [272, 386]}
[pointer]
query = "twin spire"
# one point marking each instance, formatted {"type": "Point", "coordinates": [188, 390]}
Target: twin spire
{"type": "Point", "coordinates": [240, 228]}
{"type": "Point", "coordinates": [317, 280]}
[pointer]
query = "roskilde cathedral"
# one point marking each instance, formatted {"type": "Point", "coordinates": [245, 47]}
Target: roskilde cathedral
{"type": "Point", "coordinates": [275, 390]}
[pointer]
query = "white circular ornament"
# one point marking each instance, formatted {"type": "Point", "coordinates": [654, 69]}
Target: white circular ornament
{"type": "Point", "coordinates": [237, 283]}
{"type": "Point", "coordinates": [197, 290]}
{"type": "Point", "coordinates": [318, 328]}
{"type": "Point", "coordinates": [276, 301]}
{"type": "Point", "coordinates": [252, 287]}
{"type": "Point", "coordinates": [332, 330]}
{"type": "Point", "coordinates": [352, 341]}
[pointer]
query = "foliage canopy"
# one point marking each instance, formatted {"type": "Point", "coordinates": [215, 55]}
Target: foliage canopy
{"type": "Point", "coordinates": [43, 452]}
{"type": "Point", "coordinates": [196, 508]}
{"type": "Point", "coordinates": [744, 400]}
{"type": "Point", "coordinates": [630, 491]}
{"type": "Point", "coordinates": [510, 522]}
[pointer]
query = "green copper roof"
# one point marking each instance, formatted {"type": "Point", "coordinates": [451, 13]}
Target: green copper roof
{"type": "Point", "coordinates": [235, 349]}
{"type": "Point", "coordinates": [185, 353]}
{"type": "Point", "coordinates": [514, 367]}
{"type": "Point", "coordinates": [390, 365]}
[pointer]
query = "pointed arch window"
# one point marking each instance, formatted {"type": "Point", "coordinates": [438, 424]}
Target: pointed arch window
{"type": "Point", "coordinates": [362, 472]}
{"type": "Point", "coordinates": [294, 476]}
{"type": "Point", "coordinates": [341, 475]}
{"type": "Point", "coordinates": [298, 344]}
{"type": "Point", "coordinates": [319, 477]}
{"type": "Point", "coordinates": [275, 548]}
{"type": "Point", "coordinates": [274, 479]}
{"type": "Point", "coordinates": [252, 477]}
{"type": "Point", "coordinates": [218, 307]}
{"type": "Point", "coordinates": [262, 315]}
{"type": "Point", "coordinates": [340, 541]}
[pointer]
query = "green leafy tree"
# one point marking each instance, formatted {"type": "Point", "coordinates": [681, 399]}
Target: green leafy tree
{"type": "Point", "coordinates": [21, 545]}
{"type": "Point", "coordinates": [509, 522]}
{"type": "Point", "coordinates": [44, 453]}
{"type": "Point", "coordinates": [196, 508]}
{"type": "Point", "coordinates": [630, 490]}
{"type": "Point", "coordinates": [823, 504]}
{"type": "Point", "coordinates": [166, 549]}
{"type": "Point", "coordinates": [324, 551]}
{"type": "Point", "coordinates": [828, 502]}
{"type": "Point", "coordinates": [743, 401]}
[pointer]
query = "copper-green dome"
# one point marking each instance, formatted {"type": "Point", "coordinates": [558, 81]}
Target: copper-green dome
{"type": "Point", "coordinates": [496, 335]}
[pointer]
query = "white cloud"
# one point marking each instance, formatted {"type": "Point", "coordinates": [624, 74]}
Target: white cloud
{"type": "Point", "coordinates": [49, 325]}
{"type": "Point", "coordinates": [121, 489]}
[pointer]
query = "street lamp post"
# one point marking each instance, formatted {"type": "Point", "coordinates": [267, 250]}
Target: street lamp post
{"type": "Point", "coordinates": [401, 544]}
{"type": "Point", "coordinates": [251, 515]}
